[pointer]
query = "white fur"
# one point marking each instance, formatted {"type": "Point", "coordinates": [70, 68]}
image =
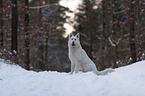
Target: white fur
{"type": "Point", "coordinates": [79, 59]}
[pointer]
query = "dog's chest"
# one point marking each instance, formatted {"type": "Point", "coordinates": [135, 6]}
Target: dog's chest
{"type": "Point", "coordinates": [76, 55]}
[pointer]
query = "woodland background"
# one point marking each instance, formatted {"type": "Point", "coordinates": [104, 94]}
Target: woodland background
{"type": "Point", "coordinates": [112, 32]}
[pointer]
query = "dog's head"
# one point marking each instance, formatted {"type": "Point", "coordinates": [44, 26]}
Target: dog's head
{"type": "Point", "coordinates": [74, 40]}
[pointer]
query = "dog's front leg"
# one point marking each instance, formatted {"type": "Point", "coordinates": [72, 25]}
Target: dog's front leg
{"type": "Point", "coordinates": [77, 67]}
{"type": "Point", "coordinates": [72, 68]}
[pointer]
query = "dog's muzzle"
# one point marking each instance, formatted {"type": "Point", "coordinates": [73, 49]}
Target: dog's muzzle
{"type": "Point", "coordinates": [73, 43]}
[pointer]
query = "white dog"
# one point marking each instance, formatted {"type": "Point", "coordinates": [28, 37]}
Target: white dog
{"type": "Point", "coordinates": [79, 59]}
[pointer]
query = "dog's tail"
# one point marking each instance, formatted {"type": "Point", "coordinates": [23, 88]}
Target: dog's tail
{"type": "Point", "coordinates": [106, 71]}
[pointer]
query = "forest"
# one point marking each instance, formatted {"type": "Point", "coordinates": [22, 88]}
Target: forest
{"type": "Point", "coordinates": [112, 32]}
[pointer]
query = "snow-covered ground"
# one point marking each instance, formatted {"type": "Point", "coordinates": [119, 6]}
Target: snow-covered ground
{"type": "Point", "coordinates": [125, 81]}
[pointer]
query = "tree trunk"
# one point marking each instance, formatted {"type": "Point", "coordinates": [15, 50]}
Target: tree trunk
{"type": "Point", "coordinates": [112, 17]}
{"type": "Point", "coordinates": [132, 34]}
{"type": "Point", "coordinates": [1, 24]}
{"type": "Point", "coordinates": [14, 40]}
{"type": "Point", "coordinates": [89, 29]}
{"type": "Point", "coordinates": [42, 49]}
{"type": "Point", "coordinates": [46, 50]}
{"type": "Point", "coordinates": [46, 47]}
{"type": "Point", "coordinates": [101, 34]}
{"type": "Point", "coordinates": [103, 27]}
{"type": "Point", "coordinates": [106, 17]}
{"type": "Point", "coordinates": [27, 41]}
{"type": "Point", "coordinates": [40, 11]}
{"type": "Point", "coordinates": [101, 39]}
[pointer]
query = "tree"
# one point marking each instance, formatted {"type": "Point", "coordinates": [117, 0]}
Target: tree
{"type": "Point", "coordinates": [89, 28]}
{"type": "Point", "coordinates": [40, 11]}
{"type": "Point", "coordinates": [110, 34]}
{"type": "Point", "coordinates": [27, 41]}
{"type": "Point", "coordinates": [113, 28]}
{"type": "Point", "coordinates": [49, 30]}
{"type": "Point", "coordinates": [88, 25]}
{"type": "Point", "coordinates": [43, 62]}
{"type": "Point", "coordinates": [139, 28]}
{"type": "Point", "coordinates": [1, 24]}
{"type": "Point", "coordinates": [14, 26]}
{"type": "Point", "coordinates": [132, 35]}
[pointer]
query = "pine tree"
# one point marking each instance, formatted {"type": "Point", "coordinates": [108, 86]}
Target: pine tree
{"type": "Point", "coordinates": [87, 25]}
{"type": "Point", "coordinates": [50, 30]}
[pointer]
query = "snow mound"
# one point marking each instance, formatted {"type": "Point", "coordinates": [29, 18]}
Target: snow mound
{"type": "Point", "coordinates": [125, 81]}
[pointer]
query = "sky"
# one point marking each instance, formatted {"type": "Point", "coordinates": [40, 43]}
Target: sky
{"type": "Point", "coordinates": [72, 4]}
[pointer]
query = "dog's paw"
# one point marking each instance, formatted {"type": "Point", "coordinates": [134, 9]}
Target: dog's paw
{"type": "Point", "coordinates": [70, 73]}
{"type": "Point", "coordinates": [112, 70]}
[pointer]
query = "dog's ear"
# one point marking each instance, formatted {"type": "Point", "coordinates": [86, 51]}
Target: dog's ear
{"type": "Point", "coordinates": [78, 35]}
{"type": "Point", "coordinates": [70, 35]}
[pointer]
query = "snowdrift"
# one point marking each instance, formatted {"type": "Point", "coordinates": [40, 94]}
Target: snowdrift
{"type": "Point", "coordinates": [125, 81]}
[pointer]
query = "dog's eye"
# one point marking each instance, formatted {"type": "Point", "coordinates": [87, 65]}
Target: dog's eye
{"type": "Point", "coordinates": [75, 39]}
{"type": "Point", "coordinates": [72, 39]}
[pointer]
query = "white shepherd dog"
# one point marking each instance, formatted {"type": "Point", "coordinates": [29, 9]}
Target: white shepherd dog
{"type": "Point", "coordinates": [79, 59]}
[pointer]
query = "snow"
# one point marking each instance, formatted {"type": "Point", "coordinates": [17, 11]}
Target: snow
{"type": "Point", "coordinates": [43, 6]}
{"type": "Point", "coordinates": [125, 81]}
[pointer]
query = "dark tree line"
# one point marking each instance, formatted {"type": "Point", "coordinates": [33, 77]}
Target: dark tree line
{"type": "Point", "coordinates": [117, 29]}
{"type": "Point", "coordinates": [112, 32]}
{"type": "Point", "coordinates": [32, 34]}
